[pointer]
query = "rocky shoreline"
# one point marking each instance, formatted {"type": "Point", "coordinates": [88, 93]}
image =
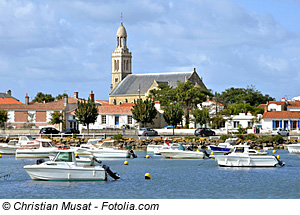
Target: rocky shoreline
{"type": "Point", "coordinates": [194, 143]}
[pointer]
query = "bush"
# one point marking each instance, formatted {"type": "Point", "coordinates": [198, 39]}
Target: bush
{"type": "Point", "coordinates": [118, 137]}
{"type": "Point", "coordinates": [224, 137]}
{"type": "Point", "coordinates": [278, 139]}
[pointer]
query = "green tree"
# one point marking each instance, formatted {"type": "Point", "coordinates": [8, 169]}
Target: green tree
{"type": "Point", "coordinates": [56, 118]}
{"type": "Point", "coordinates": [86, 112]}
{"type": "Point", "coordinates": [201, 116]}
{"type": "Point", "coordinates": [164, 94]}
{"type": "Point", "coordinates": [217, 121]}
{"type": "Point", "coordinates": [59, 96]}
{"type": "Point", "coordinates": [144, 111]}
{"type": "Point", "coordinates": [189, 96]}
{"type": "Point", "coordinates": [173, 114]}
{"type": "Point", "coordinates": [3, 118]}
{"type": "Point", "coordinates": [245, 95]}
{"type": "Point", "coordinates": [41, 97]}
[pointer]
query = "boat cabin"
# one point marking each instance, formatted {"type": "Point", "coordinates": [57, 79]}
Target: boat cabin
{"type": "Point", "coordinates": [65, 156]}
{"type": "Point", "coordinates": [109, 144]}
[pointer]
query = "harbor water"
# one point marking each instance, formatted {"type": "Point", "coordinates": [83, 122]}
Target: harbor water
{"type": "Point", "coordinates": [170, 179]}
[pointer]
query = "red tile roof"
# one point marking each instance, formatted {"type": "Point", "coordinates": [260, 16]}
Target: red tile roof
{"type": "Point", "coordinates": [56, 105]}
{"type": "Point", "coordinates": [9, 101]}
{"type": "Point", "coordinates": [281, 115]}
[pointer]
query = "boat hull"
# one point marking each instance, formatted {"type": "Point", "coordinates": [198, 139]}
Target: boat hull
{"type": "Point", "coordinates": [219, 149]}
{"type": "Point", "coordinates": [8, 150]}
{"type": "Point", "coordinates": [246, 161]}
{"type": "Point", "coordinates": [294, 148]}
{"type": "Point", "coordinates": [179, 154]}
{"type": "Point", "coordinates": [49, 173]}
{"type": "Point", "coordinates": [38, 153]}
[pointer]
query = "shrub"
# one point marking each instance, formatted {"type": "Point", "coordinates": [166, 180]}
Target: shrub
{"type": "Point", "coordinates": [118, 137]}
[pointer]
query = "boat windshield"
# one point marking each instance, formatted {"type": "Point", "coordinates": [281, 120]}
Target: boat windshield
{"type": "Point", "coordinates": [239, 149]}
{"type": "Point", "coordinates": [12, 142]}
{"type": "Point", "coordinates": [46, 144]}
{"type": "Point", "coordinates": [64, 156]}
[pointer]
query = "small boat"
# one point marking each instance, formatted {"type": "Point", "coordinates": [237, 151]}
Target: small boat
{"type": "Point", "coordinates": [243, 156]}
{"type": "Point", "coordinates": [168, 144]}
{"type": "Point", "coordinates": [64, 167]}
{"type": "Point", "coordinates": [224, 147]}
{"type": "Point", "coordinates": [39, 148]}
{"type": "Point", "coordinates": [11, 147]}
{"type": "Point", "coordinates": [106, 149]}
{"type": "Point", "coordinates": [182, 153]}
{"type": "Point", "coordinates": [293, 148]}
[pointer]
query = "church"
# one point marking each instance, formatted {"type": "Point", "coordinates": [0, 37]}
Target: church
{"type": "Point", "coordinates": [127, 87]}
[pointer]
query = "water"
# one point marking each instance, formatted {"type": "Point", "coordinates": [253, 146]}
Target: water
{"type": "Point", "coordinates": [170, 179]}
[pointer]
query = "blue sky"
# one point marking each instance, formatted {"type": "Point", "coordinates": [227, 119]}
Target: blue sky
{"type": "Point", "coordinates": [57, 47]}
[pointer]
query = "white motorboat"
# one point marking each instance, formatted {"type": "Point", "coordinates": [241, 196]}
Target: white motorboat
{"type": "Point", "coordinates": [224, 147]}
{"type": "Point", "coordinates": [39, 148]}
{"type": "Point", "coordinates": [243, 156]}
{"type": "Point", "coordinates": [293, 148]}
{"type": "Point", "coordinates": [182, 153]}
{"type": "Point", "coordinates": [11, 147]}
{"type": "Point", "coordinates": [168, 144]}
{"type": "Point", "coordinates": [64, 167]}
{"type": "Point", "coordinates": [106, 149]}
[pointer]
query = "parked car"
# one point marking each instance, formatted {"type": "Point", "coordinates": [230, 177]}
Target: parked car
{"type": "Point", "coordinates": [168, 127]}
{"type": "Point", "coordinates": [204, 132]}
{"type": "Point", "coordinates": [49, 130]}
{"type": "Point", "coordinates": [280, 131]}
{"type": "Point", "coordinates": [70, 131]}
{"type": "Point", "coordinates": [147, 132]}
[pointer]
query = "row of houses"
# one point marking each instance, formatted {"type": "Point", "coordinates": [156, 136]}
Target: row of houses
{"type": "Point", "coordinates": [278, 114]}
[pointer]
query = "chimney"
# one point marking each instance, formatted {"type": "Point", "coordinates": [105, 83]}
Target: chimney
{"type": "Point", "coordinates": [194, 69]}
{"type": "Point", "coordinates": [76, 95]}
{"type": "Point", "coordinates": [283, 99]}
{"type": "Point", "coordinates": [26, 99]}
{"type": "Point", "coordinates": [266, 108]}
{"type": "Point", "coordinates": [92, 98]}
{"type": "Point", "coordinates": [8, 92]}
{"type": "Point", "coordinates": [65, 100]}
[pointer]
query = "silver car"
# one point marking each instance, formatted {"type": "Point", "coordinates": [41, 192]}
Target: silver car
{"type": "Point", "coordinates": [280, 131]}
{"type": "Point", "coordinates": [147, 132]}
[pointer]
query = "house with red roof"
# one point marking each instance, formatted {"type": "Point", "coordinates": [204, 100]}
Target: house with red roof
{"type": "Point", "coordinates": [282, 114]}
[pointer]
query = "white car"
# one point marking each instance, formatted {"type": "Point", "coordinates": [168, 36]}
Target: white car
{"type": "Point", "coordinates": [280, 131]}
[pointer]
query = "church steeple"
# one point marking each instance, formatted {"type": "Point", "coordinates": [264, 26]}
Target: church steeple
{"type": "Point", "coordinates": [121, 58]}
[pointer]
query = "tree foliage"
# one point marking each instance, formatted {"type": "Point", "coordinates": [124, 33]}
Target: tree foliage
{"type": "Point", "coordinates": [3, 118]}
{"type": "Point", "coordinates": [41, 97]}
{"type": "Point", "coordinates": [86, 112]}
{"type": "Point", "coordinates": [173, 114]}
{"type": "Point", "coordinates": [247, 95]}
{"type": "Point", "coordinates": [144, 111]}
{"type": "Point", "coordinates": [201, 116]}
{"type": "Point", "coordinates": [56, 118]}
{"type": "Point", "coordinates": [185, 93]}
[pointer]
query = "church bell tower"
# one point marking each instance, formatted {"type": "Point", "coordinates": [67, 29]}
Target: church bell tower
{"type": "Point", "coordinates": [121, 58]}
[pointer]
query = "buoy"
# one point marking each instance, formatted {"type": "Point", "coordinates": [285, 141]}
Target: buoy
{"type": "Point", "coordinates": [278, 157]}
{"type": "Point", "coordinates": [0, 156]}
{"type": "Point", "coordinates": [212, 153]}
{"type": "Point", "coordinates": [147, 156]}
{"type": "Point", "coordinates": [125, 162]}
{"type": "Point", "coordinates": [147, 176]}
{"type": "Point", "coordinates": [274, 151]}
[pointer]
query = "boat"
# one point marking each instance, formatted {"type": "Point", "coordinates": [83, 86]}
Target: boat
{"type": "Point", "coordinates": [64, 167]}
{"type": "Point", "coordinates": [243, 156]}
{"type": "Point", "coordinates": [39, 148]}
{"type": "Point", "coordinates": [168, 144]}
{"type": "Point", "coordinates": [105, 149]}
{"type": "Point", "coordinates": [182, 153]}
{"type": "Point", "coordinates": [11, 147]}
{"type": "Point", "coordinates": [293, 148]}
{"type": "Point", "coordinates": [224, 147]}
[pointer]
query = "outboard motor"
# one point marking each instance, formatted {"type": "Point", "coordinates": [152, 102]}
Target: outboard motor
{"type": "Point", "coordinates": [205, 152]}
{"type": "Point", "coordinates": [93, 158]}
{"type": "Point", "coordinates": [112, 174]}
{"type": "Point", "coordinates": [132, 153]}
{"type": "Point", "coordinates": [281, 163]}
{"type": "Point", "coordinates": [39, 161]}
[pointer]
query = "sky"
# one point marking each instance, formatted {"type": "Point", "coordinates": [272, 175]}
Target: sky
{"type": "Point", "coordinates": [64, 46]}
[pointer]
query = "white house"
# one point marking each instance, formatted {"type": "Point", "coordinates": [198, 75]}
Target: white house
{"type": "Point", "coordinates": [243, 120]}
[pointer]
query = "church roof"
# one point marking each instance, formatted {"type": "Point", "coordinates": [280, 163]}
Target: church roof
{"type": "Point", "coordinates": [132, 82]}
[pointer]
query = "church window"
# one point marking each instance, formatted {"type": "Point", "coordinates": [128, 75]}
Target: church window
{"type": "Point", "coordinates": [114, 101]}
{"type": "Point", "coordinates": [116, 80]}
{"type": "Point", "coordinates": [126, 101]}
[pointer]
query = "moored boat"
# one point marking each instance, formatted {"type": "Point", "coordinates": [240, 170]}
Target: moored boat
{"type": "Point", "coordinates": [106, 149]}
{"type": "Point", "coordinates": [224, 147]}
{"type": "Point", "coordinates": [182, 153]}
{"type": "Point", "coordinates": [11, 147]}
{"type": "Point", "coordinates": [293, 148]}
{"type": "Point", "coordinates": [39, 148]}
{"type": "Point", "coordinates": [243, 156]}
{"type": "Point", "coordinates": [64, 167]}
